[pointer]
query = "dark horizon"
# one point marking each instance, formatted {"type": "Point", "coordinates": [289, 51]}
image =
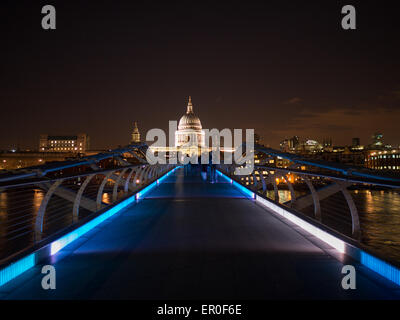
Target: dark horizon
{"type": "Point", "coordinates": [283, 69]}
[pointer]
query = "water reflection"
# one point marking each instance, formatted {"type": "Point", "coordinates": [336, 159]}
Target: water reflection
{"type": "Point", "coordinates": [380, 220]}
{"type": "Point", "coordinates": [284, 195]}
{"type": "Point", "coordinates": [38, 196]}
{"type": "Point", "coordinates": [106, 198]}
{"type": "Point", "coordinates": [3, 205]}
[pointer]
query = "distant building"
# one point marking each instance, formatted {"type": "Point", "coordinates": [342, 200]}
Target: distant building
{"type": "Point", "coordinates": [290, 145]}
{"type": "Point", "coordinates": [383, 160]}
{"type": "Point", "coordinates": [75, 143]}
{"type": "Point", "coordinates": [355, 142]}
{"type": "Point", "coordinates": [326, 151]}
{"type": "Point", "coordinates": [190, 132]}
{"type": "Point", "coordinates": [309, 146]}
{"type": "Point", "coordinates": [327, 142]}
{"type": "Point", "coordinates": [377, 155]}
{"type": "Point", "coordinates": [377, 141]}
{"type": "Point", "coordinates": [343, 154]}
{"type": "Point", "coordinates": [23, 159]}
{"type": "Point", "coordinates": [356, 145]}
{"type": "Point", "coordinates": [189, 138]}
{"type": "Point", "coordinates": [135, 134]}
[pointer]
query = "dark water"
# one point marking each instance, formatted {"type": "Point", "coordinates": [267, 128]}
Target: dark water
{"type": "Point", "coordinates": [379, 213]}
{"type": "Point", "coordinates": [380, 220]}
{"type": "Point", "coordinates": [18, 216]}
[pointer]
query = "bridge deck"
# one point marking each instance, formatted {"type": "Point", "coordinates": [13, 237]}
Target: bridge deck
{"type": "Point", "coordinates": [191, 239]}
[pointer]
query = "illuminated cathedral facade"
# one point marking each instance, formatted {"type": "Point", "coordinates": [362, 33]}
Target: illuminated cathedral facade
{"type": "Point", "coordinates": [135, 134]}
{"type": "Point", "coordinates": [190, 132]}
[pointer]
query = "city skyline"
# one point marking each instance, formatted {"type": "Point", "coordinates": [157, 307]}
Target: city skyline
{"type": "Point", "coordinates": [346, 141]}
{"type": "Point", "coordinates": [282, 69]}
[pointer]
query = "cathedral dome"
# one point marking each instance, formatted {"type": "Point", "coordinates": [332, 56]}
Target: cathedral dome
{"type": "Point", "coordinates": [189, 121]}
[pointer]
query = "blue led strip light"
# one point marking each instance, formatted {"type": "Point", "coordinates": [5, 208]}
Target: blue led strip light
{"type": "Point", "coordinates": [17, 268]}
{"type": "Point", "coordinates": [145, 190]}
{"type": "Point", "coordinates": [333, 241]}
{"type": "Point", "coordinates": [246, 191]}
{"type": "Point", "coordinates": [73, 235]}
{"type": "Point", "coordinates": [68, 238]}
{"type": "Point", "coordinates": [384, 269]}
{"type": "Point", "coordinates": [161, 179]}
{"type": "Point", "coordinates": [224, 176]}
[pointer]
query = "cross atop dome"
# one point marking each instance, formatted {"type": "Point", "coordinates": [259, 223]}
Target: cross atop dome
{"type": "Point", "coordinates": [189, 120]}
{"type": "Point", "coordinates": [190, 106]}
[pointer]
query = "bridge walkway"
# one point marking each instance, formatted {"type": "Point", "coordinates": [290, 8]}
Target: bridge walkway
{"type": "Point", "coordinates": [191, 239]}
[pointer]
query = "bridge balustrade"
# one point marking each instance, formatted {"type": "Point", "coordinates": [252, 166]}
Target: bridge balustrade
{"type": "Point", "coordinates": [38, 202]}
{"type": "Point", "coordinates": [340, 197]}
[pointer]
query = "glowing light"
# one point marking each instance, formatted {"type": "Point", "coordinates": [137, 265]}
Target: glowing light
{"type": "Point", "coordinates": [320, 234]}
{"type": "Point", "coordinates": [70, 237]}
{"type": "Point", "coordinates": [246, 191]}
{"type": "Point", "coordinates": [73, 235]}
{"type": "Point", "coordinates": [15, 269]}
{"type": "Point", "coordinates": [381, 267]}
{"type": "Point", "coordinates": [145, 190]}
{"type": "Point", "coordinates": [106, 198]}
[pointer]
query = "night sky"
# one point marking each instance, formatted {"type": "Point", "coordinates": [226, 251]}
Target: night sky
{"type": "Point", "coordinates": [281, 67]}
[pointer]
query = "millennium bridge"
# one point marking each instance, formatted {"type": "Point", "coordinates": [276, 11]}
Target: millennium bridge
{"type": "Point", "coordinates": [115, 227]}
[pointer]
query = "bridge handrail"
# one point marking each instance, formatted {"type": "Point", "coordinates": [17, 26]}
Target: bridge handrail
{"type": "Point", "coordinates": [347, 178]}
{"type": "Point", "coordinates": [37, 180]}
{"type": "Point", "coordinates": [332, 183]}
{"type": "Point", "coordinates": [25, 213]}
